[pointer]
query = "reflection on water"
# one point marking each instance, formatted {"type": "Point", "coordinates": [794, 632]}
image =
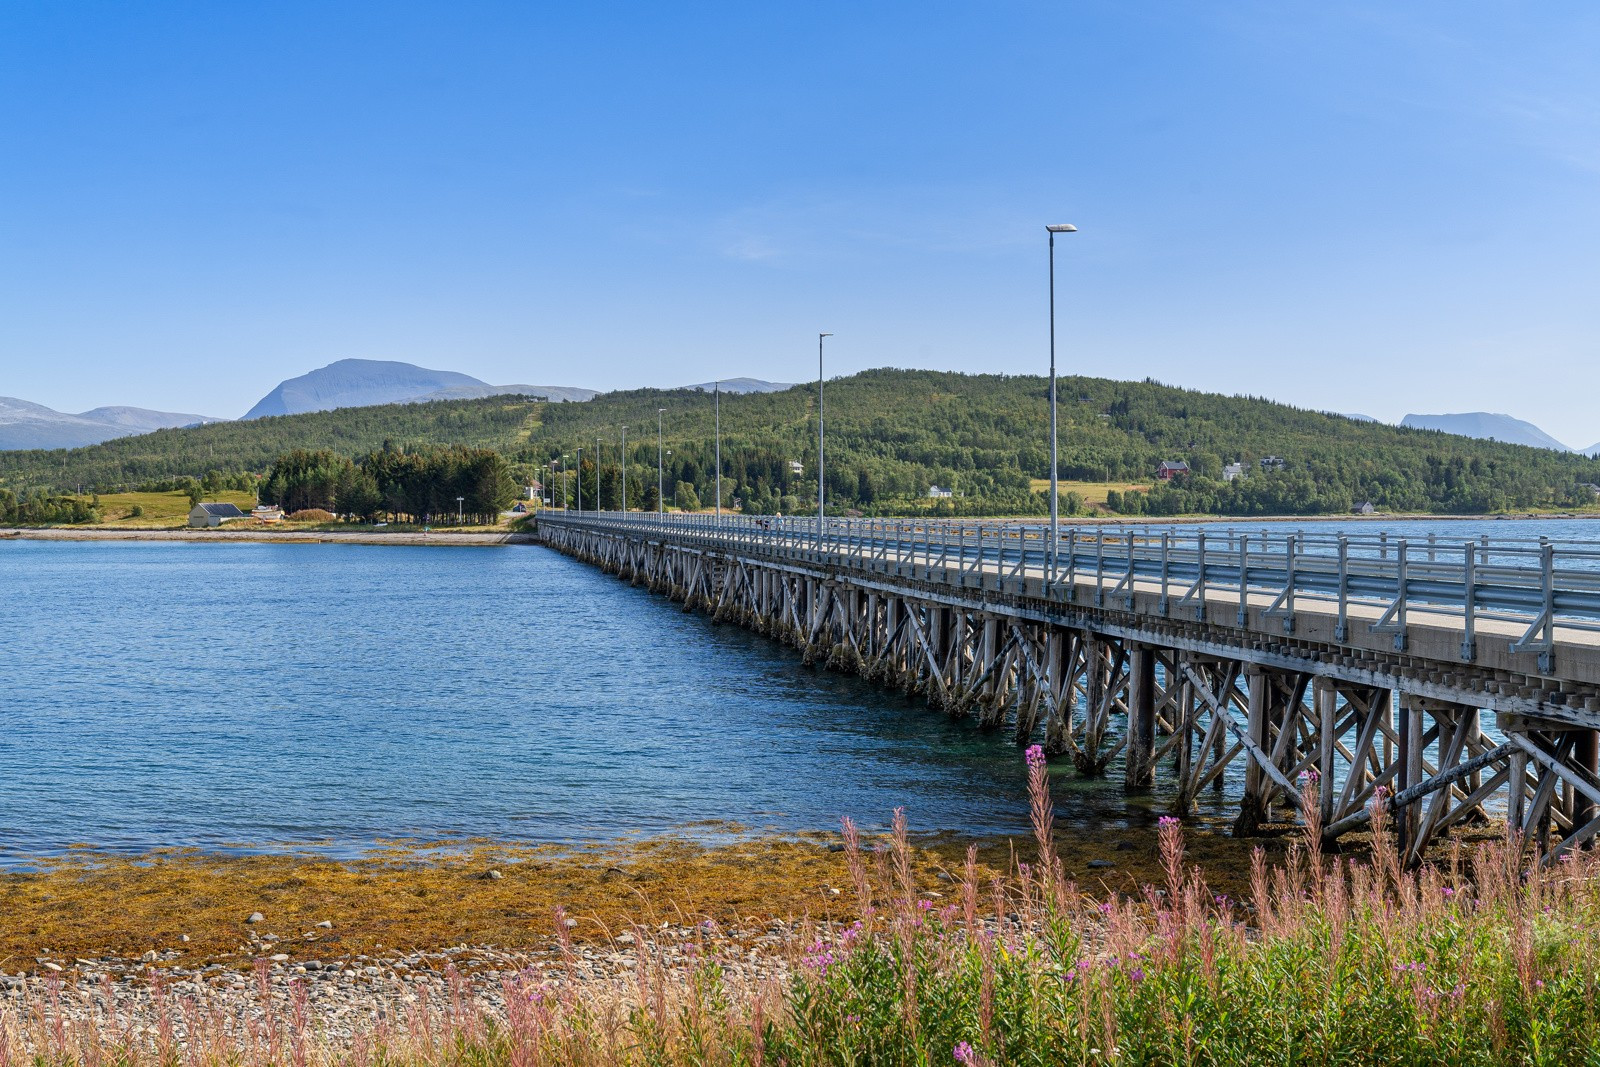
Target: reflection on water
{"type": "Point", "coordinates": [254, 694]}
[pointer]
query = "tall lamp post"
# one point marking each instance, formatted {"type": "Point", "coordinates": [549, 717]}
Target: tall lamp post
{"type": "Point", "coordinates": [1055, 491]}
{"type": "Point", "coordinates": [460, 517]}
{"type": "Point", "coordinates": [597, 477]}
{"type": "Point", "coordinates": [565, 478]}
{"type": "Point", "coordinates": [820, 500]}
{"type": "Point", "coordinates": [580, 480]}
{"type": "Point", "coordinates": [716, 400]}
{"type": "Point", "coordinates": [624, 472]}
{"type": "Point", "coordinates": [661, 504]}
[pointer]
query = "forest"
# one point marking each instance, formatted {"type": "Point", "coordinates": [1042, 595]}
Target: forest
{"type": "Point", "coordinates": [891, 436]}
{"type": "Point", "coordinates": [470, 484]}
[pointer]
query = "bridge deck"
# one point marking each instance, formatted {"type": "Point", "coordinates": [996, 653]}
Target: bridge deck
{"type": "Point", "coordinates": [1367, 660]}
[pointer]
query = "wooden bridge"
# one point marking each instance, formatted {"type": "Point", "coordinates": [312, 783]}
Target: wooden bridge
{"type": "Point", "coordinates": [1460, 681]}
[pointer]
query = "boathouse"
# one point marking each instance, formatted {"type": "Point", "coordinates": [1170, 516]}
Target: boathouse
{"type": "Point", "coordinates": [207, 513]}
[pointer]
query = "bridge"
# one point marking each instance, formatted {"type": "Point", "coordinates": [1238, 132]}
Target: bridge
{"type": "Point", "coordinates": [1456, 681]}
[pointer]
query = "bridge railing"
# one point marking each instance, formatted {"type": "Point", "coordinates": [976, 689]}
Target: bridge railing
{"type": "Point", "coordinates": [1542, 584]}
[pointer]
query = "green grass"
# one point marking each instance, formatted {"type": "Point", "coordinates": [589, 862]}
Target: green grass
{"type": "Point", "coordinates": [1481, 959]}
{"type": "Point", "coordinates": [160, 510]}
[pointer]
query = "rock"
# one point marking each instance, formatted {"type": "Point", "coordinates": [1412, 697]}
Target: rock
{"type": "Point", "coordinates": [279, 957]}
{"type": "Point", "coordinates": [1100, 865]}
{"type": "Point", "coordinates": [1126, 846]}
{"type": "Point", "coordinates": [571, 923]}
{"type": "Point", "coordinates": [53, 966]}
{"type": "Point", "coordinates": [184, 938]}
{"type": "Point", "coordinates": [835, 847]}
{"type": "Point", "coordinates": [625, 938]}
{"type": "Point", "coordinates": [325, 925]}
{"type": "Point", "coordinates": [149, 957]}
{"type": "Point", "coordinates": [493, 875]}
{"type": "Point", "coordinates": [256, 917]}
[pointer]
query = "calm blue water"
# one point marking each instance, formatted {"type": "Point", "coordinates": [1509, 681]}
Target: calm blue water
{"type": "Point", "coordinates": [258, 695]}
{"type": "Point", "coordinates": [250, 694]}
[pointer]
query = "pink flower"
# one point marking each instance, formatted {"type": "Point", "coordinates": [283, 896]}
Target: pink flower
{"type": "Point", "coordinates": [963, 1053]}
{"type": "Point", "coordinates": [1035, 757]}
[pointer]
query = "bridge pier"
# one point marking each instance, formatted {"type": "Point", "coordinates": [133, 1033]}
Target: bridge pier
{"type": "Point", "coordinates": [1144, 672]}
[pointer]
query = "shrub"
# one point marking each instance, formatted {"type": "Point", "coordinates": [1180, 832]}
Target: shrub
{"type": "Point", "coordinates": [312, 515]}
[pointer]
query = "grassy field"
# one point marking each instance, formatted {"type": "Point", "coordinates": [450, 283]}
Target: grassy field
{"type": "Point", "coordinates": [1093, 493]}
{"type": "Point", "coordinates": [159, 510]}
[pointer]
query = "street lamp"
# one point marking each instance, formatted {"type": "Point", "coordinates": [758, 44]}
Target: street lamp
{"type": "Point", "coordinates": [716, 400]}
{"type": "Point", "coordinates": [820, 501]}
{"type": "Point", "coordinates": [580, 480]}
{"type": "Point", "coordinates": [460, 521]}
{"type": "Point", "coordinates": [624, 472]}
{"type": "Point", "coordinates": [597, 477]}
{"type": "Point", "coordinates": [1055, 492]}
{"type": "Point", "coordinates": [661, 504]}
{"type": "Point", "coordinates": [564, 479]}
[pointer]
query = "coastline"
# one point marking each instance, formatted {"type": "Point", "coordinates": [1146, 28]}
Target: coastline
{"type": "Point", "coordinates": [363, 537]}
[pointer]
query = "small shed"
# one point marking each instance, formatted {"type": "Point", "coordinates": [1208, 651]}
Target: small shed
{"type": "Point", "coordinates": [1364, 508]}
{"type": "Point", "coordinates": [207, 513]}
{"type": "Point", "coordinates": [1170, 469]}
{"type": "Point", "coordinates": [1232, 472]}
{"type": "Point", "coordinates": [939, 492]}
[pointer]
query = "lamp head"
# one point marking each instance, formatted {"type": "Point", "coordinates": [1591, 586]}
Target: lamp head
{"type": "Point", "coordinates": [1063, 228]}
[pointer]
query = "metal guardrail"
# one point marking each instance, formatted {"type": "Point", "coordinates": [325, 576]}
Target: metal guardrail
{"type": "Point", "coordinates": [1543, 584]}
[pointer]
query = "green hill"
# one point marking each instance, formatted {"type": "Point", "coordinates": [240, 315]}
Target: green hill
{"type": "Point", "coordinates": [893, 433]}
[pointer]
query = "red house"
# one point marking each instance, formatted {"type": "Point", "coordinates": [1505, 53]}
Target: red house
{"type": "Point", "coordinates": [1170, 470]}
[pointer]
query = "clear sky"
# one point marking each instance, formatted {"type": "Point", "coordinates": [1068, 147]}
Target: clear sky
{"type": "Point", "coordinates": [1365, 207]}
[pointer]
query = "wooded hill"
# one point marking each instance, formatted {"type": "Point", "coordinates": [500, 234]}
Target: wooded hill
{"type": "Point", "coordinates": [891, 434]}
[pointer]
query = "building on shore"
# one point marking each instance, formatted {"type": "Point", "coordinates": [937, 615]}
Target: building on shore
{"type": "Point", "coordinates": [207, 513]}
{"type": "Point", "coordinates": [266, 513]}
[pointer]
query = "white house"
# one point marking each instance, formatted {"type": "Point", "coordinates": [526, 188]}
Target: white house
{"type": "Point", "coordinates": [210, 514]}
{"type": "Point", "coordinates": [939, 493]}
{"type": "Point", "coordinates": [1232, 472]}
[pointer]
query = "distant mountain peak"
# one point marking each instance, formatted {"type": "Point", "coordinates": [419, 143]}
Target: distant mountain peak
{"type": "Point", "coordinates": [353, 383]}
{"type": "Point", "coordinates": [357, 383]}
{"type": "Point", "coordinates": [1486, 426]}
{"type": "Point", "coordinates": [743, 385]}
{"type": "Point", "coordinates": [24, 424]}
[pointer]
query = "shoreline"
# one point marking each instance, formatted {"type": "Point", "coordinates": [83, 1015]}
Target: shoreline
{"type": "Point", "coordinates": [363, 537]}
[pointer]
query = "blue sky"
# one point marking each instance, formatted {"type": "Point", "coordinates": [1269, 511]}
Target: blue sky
{"type": "Point", "coordinates": [1360, 207]}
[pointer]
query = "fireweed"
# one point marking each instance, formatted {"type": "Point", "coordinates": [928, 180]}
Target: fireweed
{"type": "Point", "coordinates": [1478, 959]}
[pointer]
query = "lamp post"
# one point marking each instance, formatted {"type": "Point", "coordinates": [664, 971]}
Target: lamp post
{"type": "Point", "coordinates": [716, 400]}
{"type": "Point", "coordinates": [597, 477]}
{"type": "Point", "coordinates": [580, 480]}
{"type": "Point", "coordinates": [564, 479]}
{"type": "Point", "coordinates": [661, 504]}
{"type": "Point", "coordinates": [624, 472]}
{"type": "Point", "coordinates": [459, 515]}
{"type": "Point", "coordinates": [1055, 492]}
{"type": "Point", "coordinates": [820, 501]}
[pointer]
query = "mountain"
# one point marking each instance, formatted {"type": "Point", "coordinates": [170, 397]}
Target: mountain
{"type": "Point", "coordinates": [355, 383]}
{"type": "Point", "coordinates": [1356, 417]}
{"type": "Point", "coordinates": [892, 434]}
{"type": "Point", "coordinates": [1486, 426]}
{"type": "Point", "coordinates": [559, 394]}
{"type": "Point", "coordinates": [1593, 451]}
{"type": "Point", "coordinates": [28, 425]}
{"type": "Point", "coordinates": [359, 383]}
{"type": "Point", "coordinates": [739, 386]}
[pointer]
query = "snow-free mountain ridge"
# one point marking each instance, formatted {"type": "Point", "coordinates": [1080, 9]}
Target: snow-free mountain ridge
{"type": "Point", "coordinates": [356, 383]}
{"type": "Point", "coordinates": [1487, 426]}
{"type": "Point", "coordinates": [24, 424]}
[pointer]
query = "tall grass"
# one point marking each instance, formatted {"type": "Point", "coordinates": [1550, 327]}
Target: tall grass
{"type": "Point", "coordinates": [1480, 959]}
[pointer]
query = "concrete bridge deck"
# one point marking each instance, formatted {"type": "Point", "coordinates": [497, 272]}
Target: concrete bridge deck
{"type": "Point", "coordinates": [1365, 662]}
